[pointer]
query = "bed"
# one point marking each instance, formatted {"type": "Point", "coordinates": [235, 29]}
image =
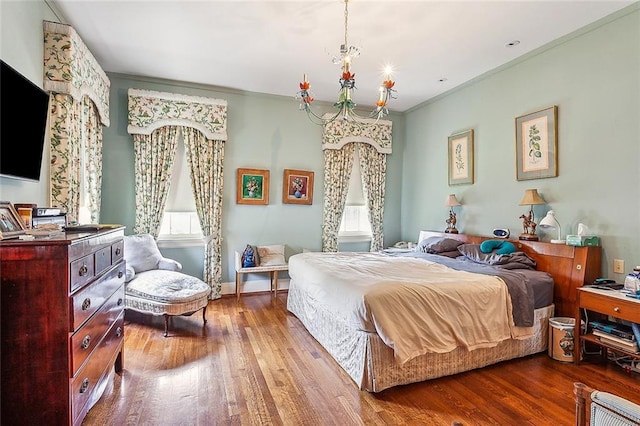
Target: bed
{"type": "Point", "coordinates": [387, 318]}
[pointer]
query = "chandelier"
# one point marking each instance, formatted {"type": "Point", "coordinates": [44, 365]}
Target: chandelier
{"type": "Point", "coordinates": [345, 104]}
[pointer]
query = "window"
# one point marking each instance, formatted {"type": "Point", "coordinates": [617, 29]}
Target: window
{"type": "Point", "coordinates": [355, 225]}
{"type": "Point", "coordinates": [180, 224]}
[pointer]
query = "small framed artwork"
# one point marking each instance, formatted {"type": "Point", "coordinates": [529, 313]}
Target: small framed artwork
{"type": "Point", "coordinates": [537, 144]}
{"type": "Point", "coordinates": [11, 224]}
{"type": "Point", "coordinates": [252, 186]}
{"type": "Point", "coordinates": [297, 187]}
{"type": "Point", "coordinates": [461, 158]}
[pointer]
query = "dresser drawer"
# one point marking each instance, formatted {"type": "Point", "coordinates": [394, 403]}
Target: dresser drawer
{"type": "Point", "coordinates": [103, 259]}
{"type": "Point", "coordinates": [85, 340]}
{"type": "Point", "coordinates": [85, 382]}
{"type": "Point", "coordinates": [82, 271]}
{"type": "Point", "coordinates": [117, 251]}
{"type": "Point", "coordinates": [88, 300]}
{"type": "Point", "coordinates": [619, 307]}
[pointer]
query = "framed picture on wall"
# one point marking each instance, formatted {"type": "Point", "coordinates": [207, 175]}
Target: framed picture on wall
{"type": "Point", "coordinates": [252, 186]}
{"type": "Point", "coordinates": [297, 187]}
{"type": "Point", "coordinates": [11, 224]}
{"type": "Point", "coordinates": [461, 158]}
{"type": "Point", "coordinates": [537, 144]}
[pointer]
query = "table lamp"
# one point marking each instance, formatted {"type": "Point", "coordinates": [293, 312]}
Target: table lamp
{"type": "Point", "coordinates": [531, 198]}
{"type": "Point", "coordinates": [451, 202]}
{"type": "Point", "coordinates": [550, 221]}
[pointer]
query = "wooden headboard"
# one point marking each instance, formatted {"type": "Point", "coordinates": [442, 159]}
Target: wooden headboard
{"type": "Point", "coordinates": [571, 267]}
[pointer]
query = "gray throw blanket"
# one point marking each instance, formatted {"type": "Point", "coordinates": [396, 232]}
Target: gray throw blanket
{"type": "Point", "coordinates": [522, 299]}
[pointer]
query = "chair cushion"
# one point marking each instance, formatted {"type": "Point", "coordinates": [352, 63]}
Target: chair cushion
{"type": "Point", "coordinates": [141, 252]}
{"type": "Point", "coordinates": [271, 255]}
{"type": "Point", "coordinates": [167, 286]}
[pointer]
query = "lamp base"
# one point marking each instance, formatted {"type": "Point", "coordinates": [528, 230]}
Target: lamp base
{"type": "Point", "coordinates": [528, 237]}
{"type": "Point", "coordinates": [558, 241]}
{"type": "Point", "coordinates": [451, 230]}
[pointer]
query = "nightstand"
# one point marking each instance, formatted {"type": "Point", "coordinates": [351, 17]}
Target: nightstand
{"type": "Point", "coordinates": [605, 302]}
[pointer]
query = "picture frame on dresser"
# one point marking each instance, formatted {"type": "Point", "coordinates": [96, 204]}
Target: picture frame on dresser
{"type": "Point", "coordinates": [537, 144]}
{"type": "Point", "coordinates": [11, 224]}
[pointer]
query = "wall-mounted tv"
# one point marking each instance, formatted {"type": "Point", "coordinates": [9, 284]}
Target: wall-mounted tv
{"type": "Point", "coordinates": [23, 124]}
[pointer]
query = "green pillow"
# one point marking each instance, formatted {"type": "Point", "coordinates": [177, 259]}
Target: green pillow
{"type": "Point", "coordinates": [503, 247]}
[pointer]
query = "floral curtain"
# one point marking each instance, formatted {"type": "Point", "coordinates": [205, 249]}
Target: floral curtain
{"type": "Point", "coordinates": [79, 106]}
{"type": "Point", "coordinates": [153, 162]}
{"type": "Point", "coordinates": [373, 167]}
{"type": "Point", "coordinates": [205, 158]}
{"type": "Point", "coordinates": [374, 142]}
{"type": "Point", "coordinates": [203, 123]}
{"type": "Point", "coordinates": [337, 170]}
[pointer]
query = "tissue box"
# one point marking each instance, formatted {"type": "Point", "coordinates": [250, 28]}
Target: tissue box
{"type": "Point", "coordinates": [583, 240]}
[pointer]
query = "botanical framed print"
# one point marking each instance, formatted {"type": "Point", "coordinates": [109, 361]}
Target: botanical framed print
{"type": "Point", "coordinates": [297, 187]}
{"type": "Point", "coordinates": [537, 144]}
{"type": "Point", "coordinates": [461, 158]}
{"type": "Point", "coordinates": [11, 224]}
{"type": "Point", "coordinates": [252, 186]}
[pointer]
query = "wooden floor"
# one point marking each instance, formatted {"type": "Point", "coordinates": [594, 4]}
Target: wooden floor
{"type": "Point", "coordinates": [254, 363]}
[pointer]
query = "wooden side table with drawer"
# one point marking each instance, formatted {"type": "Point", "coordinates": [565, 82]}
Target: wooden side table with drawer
{"type": "Point", "coordinates": [605, 302]}
{"type": "Point", "coordinates": [62, 324]}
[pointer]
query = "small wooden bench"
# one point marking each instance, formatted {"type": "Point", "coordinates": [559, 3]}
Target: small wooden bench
{"type": "Point", "coordinates": [273, 263]}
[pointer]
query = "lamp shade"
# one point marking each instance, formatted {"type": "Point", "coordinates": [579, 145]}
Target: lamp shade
{"type": "Point", "coordinates": [550, 221]}
{"type": "Point", "coordinates": [452, 201]}
{"type": "Point", "coordinates": [531, 197]}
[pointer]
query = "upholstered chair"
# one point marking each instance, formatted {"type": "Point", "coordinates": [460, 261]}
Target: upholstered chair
{"type": "Point", "coordinates": [155, 284]}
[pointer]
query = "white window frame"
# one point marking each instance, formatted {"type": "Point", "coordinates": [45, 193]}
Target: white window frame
{"type": "Point", "coordinates": [355, 226]}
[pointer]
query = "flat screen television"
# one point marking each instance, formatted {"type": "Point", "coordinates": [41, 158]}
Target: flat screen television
{"type": "Point", "coordinates": [23, 124]}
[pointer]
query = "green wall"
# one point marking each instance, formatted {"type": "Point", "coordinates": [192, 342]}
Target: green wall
{"type": "Point", "coordinates": [593, 77]}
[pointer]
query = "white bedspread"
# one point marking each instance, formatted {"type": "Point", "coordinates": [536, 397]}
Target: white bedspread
{"type": "Point", "coordinates": [414, 305]}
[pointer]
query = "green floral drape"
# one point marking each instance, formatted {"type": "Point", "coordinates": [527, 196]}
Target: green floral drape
{"type": "Point", "coordinates": [337, 171]}
{"type": "Point", "coordinates": [373, 167]}
{"type": "Point", "coordinates": [205, 158]}
{"type": "Point", "coordinates": [153, 162]}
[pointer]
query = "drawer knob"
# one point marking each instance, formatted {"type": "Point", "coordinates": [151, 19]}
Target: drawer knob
{"type": "Point", "coordinates": [120, 300]}
{"type": "Point", "coordinates": [84, 386]}
{"type": "Point", "coordinates": [83, 271]}
{"type": "Point", "coordinates": [616, 309]}
{"type": "Point", "coordinates": [86, 342]}
{"type": "Point", "coordinates": [86, 304]}
{"type": "Point", "coordinates": [119, 331]}
{"type": "Point", "coordinates": [120, 274]}
{"type": "Point", "coordinates": [118, 251]}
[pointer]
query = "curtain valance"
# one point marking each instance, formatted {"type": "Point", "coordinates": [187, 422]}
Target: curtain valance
{"type": "Point", "coordinates": [71, 69]}
{"type": "Point", "coordinates": [150, 110]}
{"type": "Point", "coordinates": [339, 133]}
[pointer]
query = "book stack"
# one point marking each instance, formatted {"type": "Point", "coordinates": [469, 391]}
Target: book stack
{"type": "Point", "coordinates": [618, 335]}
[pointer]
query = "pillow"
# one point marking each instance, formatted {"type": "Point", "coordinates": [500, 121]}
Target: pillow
{"type": "Point", "coordinates": [250, 257]}
{"type": "Point", "coordinates": [271, 255]}
{"type": "Point", "coordinates": [452, 254]}
{"type": "Point", "coordinates": [437, 245]}
{"type": "Point", "coordinates": [473, 253]}
{"type": "Point", "coordinates": [141, 252]}
{"type": "Point", "coordinates": [516, 260]}
{"type": "Point", "coordinates": [503, 247]}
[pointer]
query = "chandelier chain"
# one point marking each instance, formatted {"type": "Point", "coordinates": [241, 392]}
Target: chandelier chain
{"type": "Point", "coordinates": [346, 25]}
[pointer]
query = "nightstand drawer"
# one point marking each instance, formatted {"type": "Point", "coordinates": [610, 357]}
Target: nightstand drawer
{"type": "Point", "coordinates": [616, 306]}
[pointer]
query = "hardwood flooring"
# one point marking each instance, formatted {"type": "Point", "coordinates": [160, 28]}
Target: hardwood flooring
{"type": "Point", "coordinates": [254, 363]}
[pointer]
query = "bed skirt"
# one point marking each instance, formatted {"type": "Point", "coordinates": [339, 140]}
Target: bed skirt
{"type": "Point", "coordinates": [370, 363]}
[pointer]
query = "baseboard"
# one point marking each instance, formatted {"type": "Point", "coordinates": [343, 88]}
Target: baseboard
{"type": "Point", "coordinates": [254, 286]}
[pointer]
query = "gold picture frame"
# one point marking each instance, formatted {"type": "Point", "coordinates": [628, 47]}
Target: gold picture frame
{"type": "Point", "coordinates": [460, 158]}
{"type": "Point", "coordinates": [252, 186]}
{"type": "Point", "coordinates": [537, 144]}
{"type": "Point", "coordinates": [11, 224]}
{"type": "Point", "coordinates": [297, 187]}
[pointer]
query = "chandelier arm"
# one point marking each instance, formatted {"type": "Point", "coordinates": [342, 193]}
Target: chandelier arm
{"type": "Point", "coordinates": [321, 120]}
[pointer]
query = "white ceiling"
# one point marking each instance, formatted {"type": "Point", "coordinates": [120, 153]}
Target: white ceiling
{"type": "Point", "coordinates": [266, 46]}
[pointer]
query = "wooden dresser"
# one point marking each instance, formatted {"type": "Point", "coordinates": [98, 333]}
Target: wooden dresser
{"type": "Point", "coordinates": [62, 301]}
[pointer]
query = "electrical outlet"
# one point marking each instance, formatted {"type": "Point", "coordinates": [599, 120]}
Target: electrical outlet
{"type": "Point", "coordinates": [618, 266]}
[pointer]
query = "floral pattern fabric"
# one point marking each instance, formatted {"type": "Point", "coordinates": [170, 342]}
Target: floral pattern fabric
{"type": "Point", "coordinates": [338, 133]}
{"type": "Point", "coordinates": [70, 68]}
{"type": "Point", "coordinates": [338, 164]}
{"type": "Point", "coordinates": [153, 156]}
{"type": "Point", "coordinates": [149, 110]}
{"type": "Point", "coordinates": [205, 158]}
{"type": "Point", "coordinates": [373, 167]}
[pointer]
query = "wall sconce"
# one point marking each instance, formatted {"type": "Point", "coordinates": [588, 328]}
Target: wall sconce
{"type": "Point", "coordinates": [531, 198]}
{"type": "Point", "coordinates": [550, 221]}
{"type": "Point", "coordinates": [452, 202]}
